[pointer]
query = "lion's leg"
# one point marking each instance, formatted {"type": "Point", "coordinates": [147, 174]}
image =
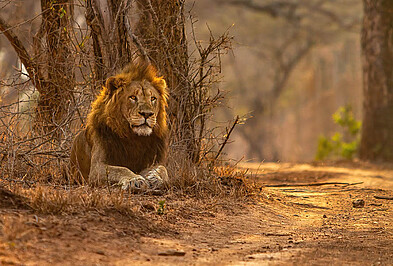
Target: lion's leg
{"type": "Point", "coordinates": [117, 175]}
{"type": "Point", "coordinates": [102, 173]}
{"type": "Point", "coordinates": [156, 177]}
{"type": "Point", "coordinates": [127, 179]}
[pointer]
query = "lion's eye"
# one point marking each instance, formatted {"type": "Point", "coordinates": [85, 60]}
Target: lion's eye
{"type": "Point", "coordinates": [133, 97]}
{"type": "Point", "coordinates": [153, 99]}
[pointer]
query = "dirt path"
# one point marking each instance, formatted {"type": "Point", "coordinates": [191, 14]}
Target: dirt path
{"type": "Point", "coordinates": [293, 224]}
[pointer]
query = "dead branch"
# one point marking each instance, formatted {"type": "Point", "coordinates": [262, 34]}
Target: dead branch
{"type": "Point", "coordinates": [383, 197]}
{"type": "Point", "coordinates": [288, 10]}
{"type": "Point", "coordinates": [227, 137]}
{"type": "Point", "coordinates": [286, 68]}
{"type": "Point", "coordinates": [22, 53]}
{"type": "Point", "coordinates": [314, 184]}
{"type": "Point", "coordinates": [274, 9]}
{"type": "Point", "coordinates": [136, 41]}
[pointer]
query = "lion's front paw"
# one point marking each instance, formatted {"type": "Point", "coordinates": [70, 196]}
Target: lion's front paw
{"type": "Point", "coordinates": [134, 184]}
{"type": "Point", "coordinates": [157, 177]}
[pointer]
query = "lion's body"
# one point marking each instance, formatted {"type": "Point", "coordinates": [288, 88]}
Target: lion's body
{"type": "Point", "coordinates": [126, 131]}
{"type": "Point", "coordinates": [81, 157]}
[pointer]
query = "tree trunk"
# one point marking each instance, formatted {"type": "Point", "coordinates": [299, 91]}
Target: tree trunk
{"type": "Point", "coordinates": [112, 49]}
{"type": "Point", "coordinates": [158, 36]}
{"type": "Point", "coordinates": [377, 45]}
{"type": "Point", "coordinates": [55, 63]}
{"type": "Point", "coordinates": [161, 30]}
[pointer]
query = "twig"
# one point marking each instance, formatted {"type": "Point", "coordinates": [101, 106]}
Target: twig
{"type": "Point", "coordinates": [227, 138]}
{"type": "Point", "coordinates": [383, 197]}
{"type": "Point", "coordinates": [314, 184]}
{"type": "Point", "coordinates": [136, 41]}
{"type": "Point", "coordinates": [23, 55]}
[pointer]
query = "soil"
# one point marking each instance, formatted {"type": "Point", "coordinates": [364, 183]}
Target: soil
{"type": "Point", "coordinates": [304, 214]}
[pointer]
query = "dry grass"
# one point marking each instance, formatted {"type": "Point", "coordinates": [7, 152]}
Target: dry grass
{"type": "Point", "coordinates": [187, 181]}
{"type": "Point", "coordinates": [33, 162]}
{"type": "Point", "coordinates": [51, 200]}
{"type": "Point", "coordinates": [207, 180]}
{"type": "Point", "coordinates": [48, 192]}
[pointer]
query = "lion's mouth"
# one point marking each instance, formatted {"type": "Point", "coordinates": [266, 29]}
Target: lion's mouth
{"type": "Point", "coordinates": [141, 125]}
{"type": "Point", "coordinates": [142, 129]}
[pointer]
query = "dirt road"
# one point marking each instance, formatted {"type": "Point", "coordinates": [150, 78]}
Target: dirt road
{"type": "Point", "coordinates": [305, 215]}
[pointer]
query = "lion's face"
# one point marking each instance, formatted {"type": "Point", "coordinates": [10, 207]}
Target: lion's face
{"type": "Point", "coordinates": [140, 106]}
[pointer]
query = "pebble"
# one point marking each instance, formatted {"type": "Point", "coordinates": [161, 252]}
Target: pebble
{"type": "Point", "coordinates": [358, 203]}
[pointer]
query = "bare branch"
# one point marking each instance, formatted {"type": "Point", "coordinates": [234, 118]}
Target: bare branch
{"type": "Point", "coordinates": [22, 53]}
{"type": "Point", "coordinates": [274, 9]}
{"type": "Point", "coordinates": [287, 68]}
{"type": "Point", "coordinates": [136, 41]}
{"type": "Point", "coordinates": [288, 10]}
{"type": "Point", "coordinates": [227, 137]}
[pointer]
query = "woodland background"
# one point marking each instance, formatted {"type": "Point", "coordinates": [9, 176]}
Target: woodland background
{"type": "Point", "coordinates": [287, 75]}
{"type": "Point", "coordinates": [292, 66]}
{"type": "Point", "coordinates": [260, 80]}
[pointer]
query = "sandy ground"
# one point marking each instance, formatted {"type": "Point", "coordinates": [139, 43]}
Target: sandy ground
{"type": "Point", "coordinates": [304, 215]}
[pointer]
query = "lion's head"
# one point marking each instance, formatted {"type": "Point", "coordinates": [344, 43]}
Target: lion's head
{"type": "Point", "coordinates": [133, 101]}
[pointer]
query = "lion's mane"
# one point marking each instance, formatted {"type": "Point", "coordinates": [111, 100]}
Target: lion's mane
{"type": "Point", "coordinates": [107, 127]}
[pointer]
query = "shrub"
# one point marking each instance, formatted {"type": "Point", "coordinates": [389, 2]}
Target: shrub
{"type": "Point", "coordinates": [338, 146]}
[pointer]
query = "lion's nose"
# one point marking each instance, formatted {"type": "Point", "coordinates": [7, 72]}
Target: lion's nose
{"type": "Point", "coordinates": [146, 114]}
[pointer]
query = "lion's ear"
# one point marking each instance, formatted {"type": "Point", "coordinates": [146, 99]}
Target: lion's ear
{"type": "Point", "coordinates": [112, 84]}
{"type": "Point", "coordinates": [161, 83]}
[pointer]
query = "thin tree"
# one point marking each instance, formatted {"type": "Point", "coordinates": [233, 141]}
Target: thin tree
{"type": "Point", "coordinates": [50, 68]}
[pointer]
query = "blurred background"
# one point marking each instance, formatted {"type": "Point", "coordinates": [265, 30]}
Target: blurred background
{"type": "Point", "coordinates": [292, 66]}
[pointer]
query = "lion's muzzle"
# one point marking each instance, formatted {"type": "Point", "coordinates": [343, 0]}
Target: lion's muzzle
{"type": "Point", "coordinates": [143, 126]}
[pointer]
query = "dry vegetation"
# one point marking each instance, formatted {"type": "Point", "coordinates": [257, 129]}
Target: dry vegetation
{"type": "Point", "coordinates": [213, 211]}
{"type": "Point", "coordinates": [36, 137]}
{"type": "Point", "coordinates": [35, 143]}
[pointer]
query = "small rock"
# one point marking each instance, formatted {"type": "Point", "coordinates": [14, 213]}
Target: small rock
{"type": "Point", "coordinates": [358, 203]}
{"type": "Point", "coordinates": [324, 216]}
{"type": "Point", "coordinates": [172, 252]}
{"type": "Point", "coordinates": [100, 252]}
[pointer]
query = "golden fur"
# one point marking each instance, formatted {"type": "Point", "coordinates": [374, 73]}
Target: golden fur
{"type": "Point", "coordinates": [126, 132]}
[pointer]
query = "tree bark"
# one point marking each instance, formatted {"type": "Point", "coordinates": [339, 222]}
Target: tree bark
{"type": "Point", "coordinates": [55, 63]}
{"type": "Point", "coordinates": [377, 46]}
{"type": "Point", "coordinates": [51, 68]}
{"type": "Point", "coordinates": [107, 20]}
{"type": "Point", "coordinates": [161, 30]}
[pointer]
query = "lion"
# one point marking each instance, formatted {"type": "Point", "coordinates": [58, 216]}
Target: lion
{"type": "Point", "coordinates": [125, 139]}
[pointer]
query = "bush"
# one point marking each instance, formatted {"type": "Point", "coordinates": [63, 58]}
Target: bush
{"type": "Point", "coordinates": [337, 146]}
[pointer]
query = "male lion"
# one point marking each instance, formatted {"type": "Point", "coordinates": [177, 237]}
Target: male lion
{"type": "Point", "coordinates": [125, 138]}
